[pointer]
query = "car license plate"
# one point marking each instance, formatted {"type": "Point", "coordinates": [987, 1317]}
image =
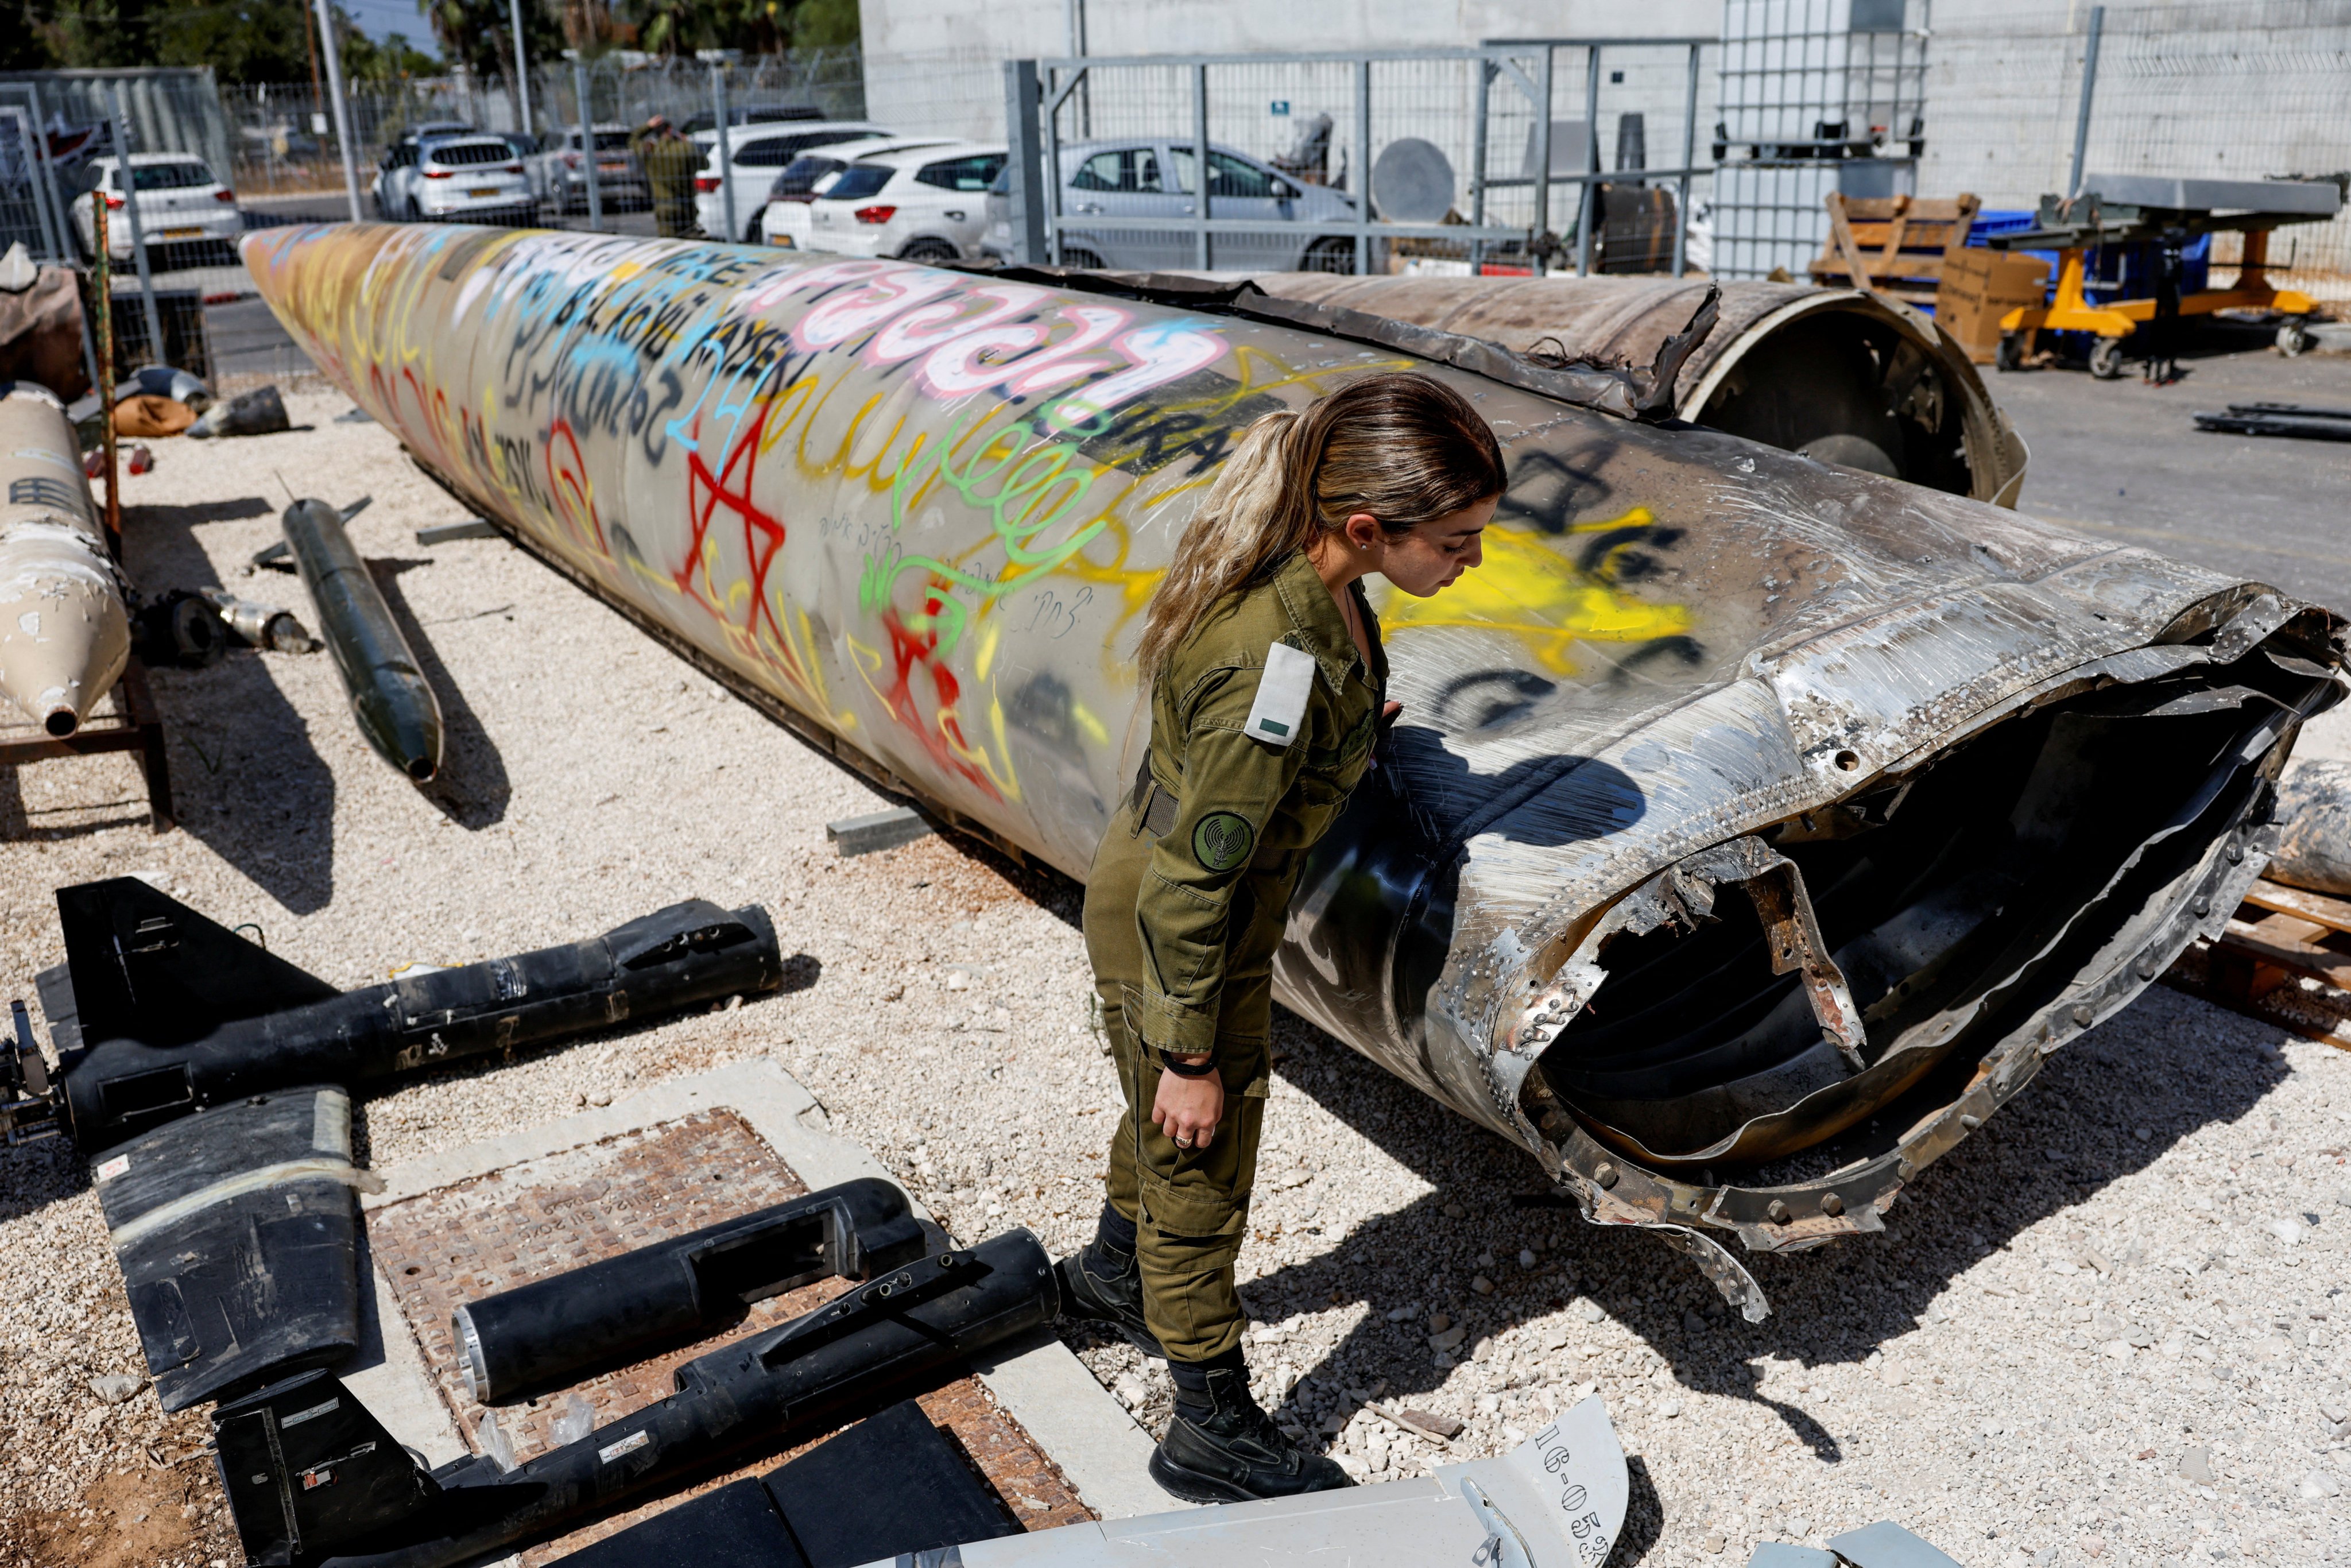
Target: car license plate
{"type": "Point", "coordinates": [181, 233]}
{"type": "Point", "coordinates": [785, 240]}
{"type": "Point", "coordinates": [614, 168]}
{"type": "Point", "coordinates": [483, 191]}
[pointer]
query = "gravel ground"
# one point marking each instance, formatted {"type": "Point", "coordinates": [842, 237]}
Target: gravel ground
{"type": "Point", "coordinates": [2111, 1329]}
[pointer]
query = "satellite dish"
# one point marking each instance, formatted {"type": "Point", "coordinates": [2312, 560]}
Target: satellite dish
{"type": "Point", "coordinates": [1412, 182]}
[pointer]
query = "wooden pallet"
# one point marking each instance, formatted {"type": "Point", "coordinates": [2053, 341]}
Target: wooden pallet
{"type": "Point", "coordinates": [133, 725]}
{"type": "Point", "coordinates": [2286, 958]}
{"type": "Point", "coordinates": [1894, 244]}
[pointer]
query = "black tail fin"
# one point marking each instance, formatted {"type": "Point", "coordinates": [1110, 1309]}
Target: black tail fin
{"type": "Point", "coordinates": [308, 1468]}
{"type": "Point", "coordinates": [147, 967]}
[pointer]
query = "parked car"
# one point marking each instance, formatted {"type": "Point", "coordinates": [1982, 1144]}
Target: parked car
{"type": "Point", "coordinates": [808, 176]}
{"type": "Point", "coordinates": [704, 128]}
{"type": "Point", "coordinates": [181, 204]}
{"type": "Point", "coordinates": [927, 204]}
{"type": "Point", "coordinates": [757, 156]}
{"type": "Point", "coordinates": [530, 151]}
{"type": "Point", "coordinates": [475, 178]}
{"type": "Point", "coordinates": [620, 182]}
{"type": "Point", "coordinates": [1309, 227]}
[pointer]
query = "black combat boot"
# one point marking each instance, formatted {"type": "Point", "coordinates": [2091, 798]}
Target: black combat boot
{"type": "Point", "coordinates": [1103, 1284]}
{"type": "Point", "coordinates": [1221, 1448]}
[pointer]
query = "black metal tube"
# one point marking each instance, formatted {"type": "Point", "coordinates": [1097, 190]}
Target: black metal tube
{"type": "Point", "coordinates": [552, 1332]}
{"type": "Point", "coordinates": [689, 953]}
{"type": "Point", "coordinates": [307, 1470]}
{"type": "Point", "coordinates": [394, 705]}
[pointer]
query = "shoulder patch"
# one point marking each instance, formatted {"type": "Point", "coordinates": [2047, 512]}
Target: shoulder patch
{"type": "Point", "coordinates": [1222, 841]}
{"type": "Point", "coordinates": [1281, 694]}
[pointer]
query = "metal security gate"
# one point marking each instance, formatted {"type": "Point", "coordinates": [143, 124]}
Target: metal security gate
{"type": "Point", "coordinates": [1445, 142]}
{"type": "Point", "coordinates": [1814, 96]}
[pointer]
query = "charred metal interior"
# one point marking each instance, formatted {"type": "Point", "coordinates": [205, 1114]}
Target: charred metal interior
{"type": "Point", "coordinates": [1959, 904]}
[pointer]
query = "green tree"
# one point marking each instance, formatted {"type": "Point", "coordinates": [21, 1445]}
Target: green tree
{"type": "Point", "coordinates": [27, 43]}
{"type": "Point", "coordinates": [365, 59]}
{"type": "Point", "coordinates": [479, 35]}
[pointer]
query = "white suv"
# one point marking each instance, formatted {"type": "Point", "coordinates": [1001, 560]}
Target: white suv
{"type": "Point", "coordinates": [810, 176]}
{"type": "Point", "coordinates": [180, 203]}
{"type": "Point", "coordinates": [474, 179]}
{"type": "Point", "coordinates": [921, 204]}
{"type": "Point", "coordinates": [756, 155]}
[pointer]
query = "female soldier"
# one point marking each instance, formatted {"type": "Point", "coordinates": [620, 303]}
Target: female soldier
{"type": "Point", "coordinates": [1268, 685]}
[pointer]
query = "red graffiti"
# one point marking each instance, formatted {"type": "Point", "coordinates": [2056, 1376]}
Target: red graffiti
{"type": "Point", "coordinates": [940, 729]}
{"type": "Point", "coordinates": [763, 534]}
{"type": "Point", "coordinates": [570, 492]}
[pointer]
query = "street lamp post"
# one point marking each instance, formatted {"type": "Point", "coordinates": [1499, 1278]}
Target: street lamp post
{"type": "Point", "coordinates": [718, 61]}
{"type": "Point", "coordinates": [588, 149]}
{"type": "Point", "coordinates": [522, 66]}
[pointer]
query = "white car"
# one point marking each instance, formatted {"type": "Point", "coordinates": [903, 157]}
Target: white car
{"type": "Point", "coordinates": [1307, 226]}
{"type": "Point", "coordinates": [472, 179]}
{"type": "Point", "coordinates": [810, 176]}
{"type": "Point", "coordinates": [923, 205]}
{"type": "Point", "coordinates": [180, 204]}
{"type": "Point", "coordinates": [757, 154]}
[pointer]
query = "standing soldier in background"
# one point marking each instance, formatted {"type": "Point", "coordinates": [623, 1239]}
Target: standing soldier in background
{"type": "Point", "coordinates": [670, 162]}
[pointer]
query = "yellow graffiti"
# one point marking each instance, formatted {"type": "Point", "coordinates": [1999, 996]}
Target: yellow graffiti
{"type": "Point", "coordinates": [1530, 588]}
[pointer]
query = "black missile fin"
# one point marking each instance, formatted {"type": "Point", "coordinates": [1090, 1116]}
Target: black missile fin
{"type": "Point", "coordinates": [145, 967]}
{"type": "Point", "coordinates": [308, 1468]}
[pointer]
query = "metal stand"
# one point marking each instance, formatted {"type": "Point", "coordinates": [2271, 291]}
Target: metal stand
{"type": "Point", "coordinates": [135, 725]}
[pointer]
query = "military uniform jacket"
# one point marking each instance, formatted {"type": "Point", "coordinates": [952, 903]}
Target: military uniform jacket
{"type": "Point", "coordinates": [1262, 727]}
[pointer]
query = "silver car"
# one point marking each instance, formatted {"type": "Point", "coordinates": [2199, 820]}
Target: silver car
{"type": "Point", "coordinates": [1310, 228]}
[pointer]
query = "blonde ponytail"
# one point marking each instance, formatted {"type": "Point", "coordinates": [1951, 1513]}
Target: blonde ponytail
{"type": "Point", "coordinates": [1400, 446]}
{"type": "Point", "coordinates": [1251, 519]}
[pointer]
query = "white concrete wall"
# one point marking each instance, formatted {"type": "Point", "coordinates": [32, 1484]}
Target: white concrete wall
{"type": "Point", "coordinates": [937, 65]}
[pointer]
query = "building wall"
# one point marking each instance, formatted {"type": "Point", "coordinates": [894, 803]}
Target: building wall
{"type": "Point", "coordinates": [937, 65]}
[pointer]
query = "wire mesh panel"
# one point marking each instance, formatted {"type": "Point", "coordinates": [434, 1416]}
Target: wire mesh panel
{"type": "Point", "coordinates": [1447, 145]}
{"type": "Point", "coordinates": [1814, 96]}
{"type": "Point", "coordinates": [2251, 91]}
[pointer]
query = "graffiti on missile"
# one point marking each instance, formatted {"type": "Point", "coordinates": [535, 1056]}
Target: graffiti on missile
{"type": "Point", "coordinates": [894, 494]}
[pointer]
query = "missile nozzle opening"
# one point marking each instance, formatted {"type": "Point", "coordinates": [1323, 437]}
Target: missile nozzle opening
{"type": "Point", "coordinates": [422, 770]}
{"type": "Point", "coordinates": [62, 722]}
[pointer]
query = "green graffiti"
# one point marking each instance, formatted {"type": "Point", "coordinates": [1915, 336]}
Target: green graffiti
{"type": "Point", "coordinates": [1030, 486]}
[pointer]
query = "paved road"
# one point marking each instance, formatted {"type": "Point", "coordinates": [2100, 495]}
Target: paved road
{"type": "Point", "coordinates": [2124, 459]}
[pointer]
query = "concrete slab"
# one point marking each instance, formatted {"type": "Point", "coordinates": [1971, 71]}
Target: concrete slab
{"type": "Point", "coordinates": [1077, 1425]}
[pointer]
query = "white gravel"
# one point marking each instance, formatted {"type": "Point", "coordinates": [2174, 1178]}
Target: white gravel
{"type": "Point", "coordinates": [2111, 1329]}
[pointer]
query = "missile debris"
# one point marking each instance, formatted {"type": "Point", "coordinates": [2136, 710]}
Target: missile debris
{"type": "Point", "coordinates": [259, 625]}
{"type": "Point", "coordinates": [917, 514]}
{"type": "Point", "coordinates": [64, 633]}
{"type": "Point", "coordinates": [258, 413]}
{"type": "Point", "coordinates": [549, 1332]}
{"type": "Point", "coordinates": [236, 1230]}
{"type": "Point", "coordinates": [891, 1489]}
{"type": "Point", "coordinates": [158, 1012]}
{"type": "Point", "coordinates": [282, 1448]}
{"type": "Point", "coordinates": [393, 702]}
{"type": "Point", "coordinates": [179, 629]}
{"type": "Point", "coordinates": [1842, 375]}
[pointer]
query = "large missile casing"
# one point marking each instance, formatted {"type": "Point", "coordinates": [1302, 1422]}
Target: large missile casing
{"type": "Point", "coordinates": [391, 698]}
{"type": "Point", "coordinates": [64, 636]}
{"type": "Point", "coordinates": [922, 512]}
{"type": "Point", "coordinates": [1841, 374]}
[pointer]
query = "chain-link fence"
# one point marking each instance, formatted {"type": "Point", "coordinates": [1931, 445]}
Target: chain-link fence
{"type": "Point", "coordinates": [2248, 89]}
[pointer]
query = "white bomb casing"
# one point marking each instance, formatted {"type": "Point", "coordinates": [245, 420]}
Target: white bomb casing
{"type": "Point", "coordinates": [64, 635]}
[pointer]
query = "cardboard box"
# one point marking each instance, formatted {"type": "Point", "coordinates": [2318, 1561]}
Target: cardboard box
{"type": "Point", "coordinates": [1979, 287]}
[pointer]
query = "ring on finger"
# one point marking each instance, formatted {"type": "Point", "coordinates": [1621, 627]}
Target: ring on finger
{"type": "Point", "coordinates": [1183, 1143]}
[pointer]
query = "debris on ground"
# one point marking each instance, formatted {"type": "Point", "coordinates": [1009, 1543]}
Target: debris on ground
{"type": "Point", "coordinates": [258, 413]}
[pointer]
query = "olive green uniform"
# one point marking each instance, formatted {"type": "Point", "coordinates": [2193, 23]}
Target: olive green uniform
{"type": "Point", "coordinates": [670, 164]}
{"type": "Point", "coordinates": [1188, 898]}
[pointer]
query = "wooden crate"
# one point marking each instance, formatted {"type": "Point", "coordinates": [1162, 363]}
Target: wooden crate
{"type": "Point", "coordinates": [1894, 244]}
